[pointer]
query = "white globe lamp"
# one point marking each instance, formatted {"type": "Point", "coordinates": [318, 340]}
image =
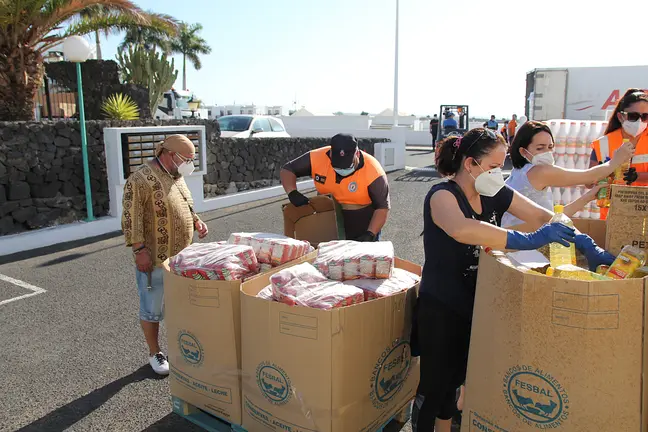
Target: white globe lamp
{"type": "Point", "coordinates": [76, 49]}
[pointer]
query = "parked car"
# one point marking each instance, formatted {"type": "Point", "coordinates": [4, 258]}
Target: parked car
{"type": "Point", "coordinates": [250, 126]}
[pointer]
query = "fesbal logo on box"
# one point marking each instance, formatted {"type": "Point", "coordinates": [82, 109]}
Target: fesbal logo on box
{"type": "Point", "coordinates": [190, 348]}
{"type": "Point", "coordinates": [390, 373]}
{"type": "Point", "coordinates": [536, 396]}
{"type": "Point", "coordinates": [274, 383]}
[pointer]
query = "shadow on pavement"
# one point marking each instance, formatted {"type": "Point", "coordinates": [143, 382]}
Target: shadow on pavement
{"type": "Point", "coordinates": [69, 414]}
{"type": "Point", "coordinates": [61, 247]}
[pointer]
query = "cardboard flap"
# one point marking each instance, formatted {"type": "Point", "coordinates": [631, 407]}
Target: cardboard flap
{"type": "Point", "coordinates": [315, 223]}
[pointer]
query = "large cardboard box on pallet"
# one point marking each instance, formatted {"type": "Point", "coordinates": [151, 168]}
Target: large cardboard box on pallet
{"type": "Point", "coordinates": [627, 218]}
{"type": "Point", "coordinates": [203, 321]}
{"type": "Point", "coordinates": [343, 370]}
{"type": "Point", "coordinates": [550, 353]}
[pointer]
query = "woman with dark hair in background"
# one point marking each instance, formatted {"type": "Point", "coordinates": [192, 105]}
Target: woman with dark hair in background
{"type": "Point", "coordinates": [628, 121]}
{"type": "Point", "coordinates": [460, 215]}
{"type": "Point", "coordinates": [534, 171]}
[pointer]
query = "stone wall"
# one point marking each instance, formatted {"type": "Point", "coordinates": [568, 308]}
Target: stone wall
{"type": "Point", "coordinates": [41, 170]}
{"type": "Point", "coordinates": [235, 165]}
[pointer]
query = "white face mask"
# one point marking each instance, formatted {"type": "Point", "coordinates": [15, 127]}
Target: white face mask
{"type": "Point", "coordinates": [545, 158]}
{"type": "Point", "coordinates": [185, 168]}
{"type": "Point", "coordinates": [345, 172]}
{"type": "Point", "coordinates": [634, 128]}
{"type": "Point", "coordinates": [488, 183]}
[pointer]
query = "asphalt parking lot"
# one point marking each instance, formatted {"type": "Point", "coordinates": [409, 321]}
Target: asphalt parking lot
{"type": "Point", "coordinates": [73, 356]}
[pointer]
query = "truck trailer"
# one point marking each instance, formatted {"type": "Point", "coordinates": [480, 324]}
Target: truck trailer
{"type": "Point", "coordinates": [580, 93]}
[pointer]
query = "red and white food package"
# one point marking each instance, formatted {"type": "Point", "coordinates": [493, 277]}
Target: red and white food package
{"type": "Point", "coordinates": [272, 249]}
{"type": "Point", "coordinates": [266, 293]}
{"type": "Point", "coordinates": [304, 285]}
{"type": "Point", "coordinates": [347, 260]}
{"type": "Point", "coordinates": [213, 261]}
{"type": "Point", "coordinates": [401, 280]}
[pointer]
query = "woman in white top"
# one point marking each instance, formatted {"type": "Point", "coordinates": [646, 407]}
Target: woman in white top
{"type": "Point", "coordinates": [534, 171]}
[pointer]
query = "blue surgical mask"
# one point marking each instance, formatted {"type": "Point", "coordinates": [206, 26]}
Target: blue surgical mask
{"type": "Point", "coordinates": [344, 172]}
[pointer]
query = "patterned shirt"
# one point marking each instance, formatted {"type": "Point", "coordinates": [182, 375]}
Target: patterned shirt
{"type": "Point", "coordinates": [156, 212]}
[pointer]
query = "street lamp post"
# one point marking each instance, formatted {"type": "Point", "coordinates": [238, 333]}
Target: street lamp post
{"type": "Point", "coordinates": [77, 50]}
{"type": "Point", "coordinates": [396, 70]}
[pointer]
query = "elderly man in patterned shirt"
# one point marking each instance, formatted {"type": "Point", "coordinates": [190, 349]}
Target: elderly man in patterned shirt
{"type": "Point", "coordinates": [158, 222]}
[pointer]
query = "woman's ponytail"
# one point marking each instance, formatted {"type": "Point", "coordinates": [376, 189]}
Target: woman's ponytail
{"type": "Point", "coordinates": [447, 164]}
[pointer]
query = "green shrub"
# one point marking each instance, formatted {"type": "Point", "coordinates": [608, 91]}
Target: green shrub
{"type": "Point", "coordinates": [120, 107]}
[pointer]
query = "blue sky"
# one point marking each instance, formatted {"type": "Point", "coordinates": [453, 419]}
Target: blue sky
{"type": "Point", "coordinates": [338, 55]}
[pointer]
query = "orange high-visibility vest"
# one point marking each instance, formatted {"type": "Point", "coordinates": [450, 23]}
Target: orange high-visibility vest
{"type": "Point", "coordinates": [608, 144]}
{"type": "Point", "coordinates": [352, 190]}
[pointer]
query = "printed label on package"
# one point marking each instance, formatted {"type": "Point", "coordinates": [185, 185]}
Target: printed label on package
{"type": "Point", "coordinates": [273, 383]}
{"type": "Point", "coordinates": [390, 373]}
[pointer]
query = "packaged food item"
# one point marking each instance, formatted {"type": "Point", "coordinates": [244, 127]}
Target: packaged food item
{"type": "Point", "coordinates": [401, 280]}
{"type": "Point", "coordinates": [603, 195]}
{"type": "Point", "coordinates": [629, 260]}
{"type": "Point", "coordinates": [641, 272]}
{"type": "Point", "coordinates": [347, 260]}
{"type": "Point", "coordinates": [319, 295]}
{"type": "Point", "coordinates": [621, 169]}
{"type": "Point", "coordinates": [602, 269]}
{"type": "Point", "coordinates": [272, 249]}
{"type": "Point", "coordinates": [266, 293]}
{"type": "Point", "coordinates": [559, 254]}
{"type": "Point", "coordinates": [568, 271]}
{"type": "Point", "coordinates": [214, 261]}
{"type": "Point", "coordinates": [301, 274]}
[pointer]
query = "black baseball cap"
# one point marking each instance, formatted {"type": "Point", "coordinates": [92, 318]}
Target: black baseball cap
{"type": "Point", "coordinates": [343, 150]}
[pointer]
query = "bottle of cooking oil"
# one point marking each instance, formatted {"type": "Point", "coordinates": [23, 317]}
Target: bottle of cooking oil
{"type": "Point", "coordinates": [559, 254]}
{"type": "Point", "coordinates": [603, 195]}
{"type": "Point", "coordinates": [621, 169]}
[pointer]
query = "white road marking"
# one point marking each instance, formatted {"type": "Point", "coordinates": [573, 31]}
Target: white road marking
{"type": "Point", "coordinates": [35, 290]}
{"type": "Point", "coordinates": [428, 169]}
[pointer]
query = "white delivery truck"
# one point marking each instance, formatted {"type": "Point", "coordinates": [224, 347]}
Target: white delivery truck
{"type": "Point", "coordinates": [177, 104]}
{"type": "Point", "coordinates": [580, 93]}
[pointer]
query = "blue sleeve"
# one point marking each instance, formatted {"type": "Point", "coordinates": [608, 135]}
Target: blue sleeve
{"type": "Point", "coordinates": [593, 157]}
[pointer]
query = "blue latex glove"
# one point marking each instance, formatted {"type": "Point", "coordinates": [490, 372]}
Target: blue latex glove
{"type": "Point", "coordinates": [594, 254]}
{"type": "Point", "coordinates": [550, 233]}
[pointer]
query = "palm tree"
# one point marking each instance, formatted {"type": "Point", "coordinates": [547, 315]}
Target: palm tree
{"type": "Point", "coordinates": [28, 28]}
{"type": "Point", "coordinates": [149, 38]}
{"type": "Point", "coordinates": [190, 45]}
{"type": "Point", "coordinates": [90, 13]}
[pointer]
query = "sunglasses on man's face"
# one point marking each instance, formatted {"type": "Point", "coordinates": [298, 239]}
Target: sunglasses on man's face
{"type": "Point", "coordinates": [635, 116]}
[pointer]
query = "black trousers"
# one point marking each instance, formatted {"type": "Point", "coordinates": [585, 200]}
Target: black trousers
{"type": "Point", "coordinates": [442, 337]}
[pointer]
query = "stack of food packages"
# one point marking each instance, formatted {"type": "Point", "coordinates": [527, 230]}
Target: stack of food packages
{"type": "Point", "coordinates": [244, 255]}
{"type": "Point", "coordinates": [345, 273]}
{"type": "Point", "coordinates": [629, 264]}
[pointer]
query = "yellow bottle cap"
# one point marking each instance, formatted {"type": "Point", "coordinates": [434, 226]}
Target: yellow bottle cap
{"type": "Point", "coordinates": [558, 208]}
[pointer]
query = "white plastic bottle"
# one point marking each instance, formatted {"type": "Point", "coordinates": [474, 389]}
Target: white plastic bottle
{"type": "Point", "coordinates": [595, 212]}
{"type": "Point", "coordinates": [561, 139]}
{"type": "Point", "coordinates": [560, 160]}
{"type": "Point", "coordinates": [581, 140]}
{"type": "Point", "coordinates": [593, 135]}
{"type": "Point", "coordinates": [556, 195]}
{"type": "Point", "coordinates": [575, 194]}
{"type": "Point", "coordinates": [571, 138]}
{"type": "Point", "coordinates": [585, 213]}
{"type": "Point", "coordinates": [566, 196]}
{"type": "Point", "coordinates": [569, 161]}
{"type": "Point", "coordinates": [581, 161]}
{"type": "Point", "coordinates": [553, 125]}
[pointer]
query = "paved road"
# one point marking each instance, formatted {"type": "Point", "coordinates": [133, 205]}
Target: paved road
{"type": "Point", "coordinates": [73, 357]}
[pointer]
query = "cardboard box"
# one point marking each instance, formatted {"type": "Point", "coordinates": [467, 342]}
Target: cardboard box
{"type": "Point", "coordinates": [318, 222]}
{"type": "Point", "coordinates": [203, 321]}
{"type": "Point", "coordinates": [627, 218]}
{"type": "Point", "coordinates": [343, 370]}
{"type": "Point", "coordinates": [549, 353]}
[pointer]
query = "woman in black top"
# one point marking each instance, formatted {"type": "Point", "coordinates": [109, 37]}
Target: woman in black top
{"type": "Point", "coordinates": [461, 215]}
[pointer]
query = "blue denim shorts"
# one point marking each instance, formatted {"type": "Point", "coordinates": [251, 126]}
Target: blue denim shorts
{"type": "Point", "coordinates": [151, 300]}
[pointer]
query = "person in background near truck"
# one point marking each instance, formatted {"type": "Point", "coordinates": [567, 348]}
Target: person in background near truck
{"type": "Point", "coordinates": [355, 179]}
{"type": "Point", "coordinates": [460, 215]}
{"type": "Point", "coordinates": [492, 123]}
{"type": "Point", "coordinates": [158, 222]}
{"type": "Point", "coordinates": [512, 128]}
{"type": "Point", "coordinates": [534, 171]}
{"type": "Point", "coordinates": [434, 130]}
{"type": "Point", "coordinates": [450, 122]}
{"type": "Point", "coordinates": [628, 121]}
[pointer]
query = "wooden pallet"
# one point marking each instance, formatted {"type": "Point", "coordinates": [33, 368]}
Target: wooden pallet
{"type": "Point", "coordinates": [199, 417]}
{"type": "Point", "coordinates": [212, 423]}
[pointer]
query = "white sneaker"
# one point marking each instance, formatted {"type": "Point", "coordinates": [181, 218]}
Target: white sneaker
{"type": "Point", "coordinates": [159, 364]}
